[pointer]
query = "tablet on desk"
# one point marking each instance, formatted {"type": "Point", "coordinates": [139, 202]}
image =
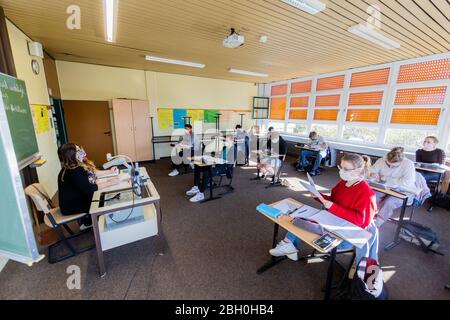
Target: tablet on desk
{"type": "Point", "coordinates": [326, 241]}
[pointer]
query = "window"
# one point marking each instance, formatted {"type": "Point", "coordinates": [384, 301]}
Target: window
{"type": "Point", "coordinates": [361, 134]}
{"type": "Point", "coordinates": [328, 131]}
{"type": "Point", "coordinates": [409, 138]}
{"type": "Point", "coordinates": [278, 126]}
{"type": "Point", "coordinates": [297, 128]}
{"type": "Point", "coordinates": [278, 108]}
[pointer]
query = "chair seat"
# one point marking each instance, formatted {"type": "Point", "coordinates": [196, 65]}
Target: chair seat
{"type": "Point", "coordinates": [60, 218]}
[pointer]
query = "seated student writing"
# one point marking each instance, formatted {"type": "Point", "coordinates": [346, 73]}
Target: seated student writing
{"type": "Point", "coordinates": [396, 171]}
{"type": "Point", "coordinates": [351, 199]}
{"type": "Point", "coordinates": [188, 142]}
{"type": "Point", "coordinates": [77, 182]}
{"type": "Point", "coordinates": [318, 143]}
{"type": "Point", "coordinates": [275, 145]}
{"type": "Point", "coordinates": [202, 174]}
{"type": "Point", "coordinates": [430, 154]}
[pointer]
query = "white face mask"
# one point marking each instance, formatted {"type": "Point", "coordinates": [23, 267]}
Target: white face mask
{"type": "Point", "coordinates": [80, 155]}
{"type": "Point", "coordinates": [428, 146]}
{"type": "Point", "coordinates": [349, 175]}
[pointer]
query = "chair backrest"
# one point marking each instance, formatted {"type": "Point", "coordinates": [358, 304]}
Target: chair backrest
{"type": "Point", "coordinates": [425, 193]}
{"type": "Point", "coordinates": [39, 196]}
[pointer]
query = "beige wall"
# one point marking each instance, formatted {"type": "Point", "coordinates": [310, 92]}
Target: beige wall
{"type": "Point", "coordinates": [80, 81]}
{"type": "Point", "coordinates": [37, 94]}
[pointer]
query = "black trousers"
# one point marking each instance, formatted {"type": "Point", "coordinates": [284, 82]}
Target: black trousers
{"type": "Point", "coordinates": [201, 177]}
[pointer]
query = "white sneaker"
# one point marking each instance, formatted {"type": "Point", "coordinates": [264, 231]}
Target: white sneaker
{"type": "Point", "coordinates": [200, 196]}
{"type": "Point", "coordinates": [192, 165]}
{"type": "Point", "coordinates": [174, 173]}
{"type": "Point", "coordinates": [194, 190]}
{"type": "Point", "coordinates": [285, 248]}
{"type": "Point", "coordinates": [83, 227]}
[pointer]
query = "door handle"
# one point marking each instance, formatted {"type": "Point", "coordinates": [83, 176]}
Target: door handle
{"type": "Point", "coordinates": [107, 132]}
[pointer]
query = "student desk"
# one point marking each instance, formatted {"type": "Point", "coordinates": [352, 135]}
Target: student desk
{"type": "Point", "coordinates": [307, 237]}
{"type": "Point", "coordinates": [97, 212]}
{"type": "Point", "coordinates": [404, 198]}
{"type": "Point", "coordinates": [207, 162]}
{"type": "Point", "coordinates": [271, 155]}
{"type": "Point", "coordinates": [441, 172]}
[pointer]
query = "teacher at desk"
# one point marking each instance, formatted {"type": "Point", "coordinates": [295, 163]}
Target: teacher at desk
{"type": "Point", "coordinates": [77, 182]}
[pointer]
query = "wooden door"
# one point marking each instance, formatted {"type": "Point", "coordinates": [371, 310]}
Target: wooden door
{"type": "Point", "coordinates": [88, 125]}
{"type": "Point", "coordinates": [124, 128]}
{"type": "Point", "coordinates": [142, 130]}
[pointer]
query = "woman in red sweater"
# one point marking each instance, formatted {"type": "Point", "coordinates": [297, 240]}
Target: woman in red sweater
{"type": "Point", "coordinates": [351, 199]}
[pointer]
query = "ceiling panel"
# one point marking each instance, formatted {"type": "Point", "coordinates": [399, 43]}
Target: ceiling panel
{"type": "Point", "coordinates": [299, 44]}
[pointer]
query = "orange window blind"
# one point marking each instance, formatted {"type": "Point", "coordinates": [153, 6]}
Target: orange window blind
{"type": "Point", "coordinates": [330, 83]}
{"type": "Point", "coordinates": [434, 95]}
{"type": "Point", "coordinates": [328, 101]}
{"type": "Point", "coordinates": [301, 87]}
{"type": "Point", "coordinates": [425, 71]}
{"type": "Point", "coordinates": [370, 78]}
{"type": "Point", "coordinates": [424, 116]}
{"type": "Point", "coordinates": [363, 115]}
{"type": "Point", "coordinates": [279, 90]}
{"type": "Point", "coordinates": [299, 102]}
{"type": "Point", "coordinates": [327, 115]}
{"type": "Point", "coordinates": [278, 108]}
{"type": "Point", "coordinates": [298, 114]}
{"type": "Point", "coordinates": [366, 99]}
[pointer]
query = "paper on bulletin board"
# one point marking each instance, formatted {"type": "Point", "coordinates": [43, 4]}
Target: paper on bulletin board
{"type": "Point", "coordinates": [165, 118]}
{"type": "Point", "coordinates": [42, 119]}
{"type": "Point", "coordinates": [196, 115]}
{"type": "Point", "coordinates": [178, 121]}
{"type": "Point", "coordinates": [210, 116]}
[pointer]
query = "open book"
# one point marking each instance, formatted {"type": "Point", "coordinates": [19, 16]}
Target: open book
{"type": "Point", "coordinates": [340, 227]}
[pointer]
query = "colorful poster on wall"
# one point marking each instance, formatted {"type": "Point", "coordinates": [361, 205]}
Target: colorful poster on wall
{"type": "Point", "coordinates": [178, 121]}
{"type": "Point", "coordinates": [196, 115]}
{"type": "Point", "coordinates": [41, 119]}
{"type": "Point", "coordinates": [165, 118]}
{"type": "Point", "coordinates": [210, 116]}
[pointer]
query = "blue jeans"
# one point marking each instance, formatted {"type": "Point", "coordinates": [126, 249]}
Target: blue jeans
{"type": "Point", "coordinates": [430, 176]}
{"type": "Point", "coordinates": [369, 250]}
{"type": "Point", "coordinates": [304, 162]}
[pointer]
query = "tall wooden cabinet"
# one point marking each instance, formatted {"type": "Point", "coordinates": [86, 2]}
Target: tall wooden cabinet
{"type": "Point", "coordinates": [132, 128]}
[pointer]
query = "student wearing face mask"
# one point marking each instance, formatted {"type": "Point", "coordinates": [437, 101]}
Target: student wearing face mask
{"type": "Point", "coordinates": [77, 182]}
{"type": "Point", "coordinates": [430, 154]}
{"type": "Point", "coordinates": [277, 145]}
{"type": "Point", "coordinates": [395, 170]}
{"type": "Point", "coordinates": [242, 138]}
{"type": "Point", "coordinates": [318, 143]}
{"type": "Point", "coordinates": [188, 142]}
{"type": "Point", "coordinates": [351, 199]}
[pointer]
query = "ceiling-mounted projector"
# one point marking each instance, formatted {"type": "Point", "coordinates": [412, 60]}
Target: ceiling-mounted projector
{"type": "Point", "coordinates": [234, 40]}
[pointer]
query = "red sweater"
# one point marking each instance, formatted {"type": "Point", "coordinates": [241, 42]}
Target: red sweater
{"type": "Point", "coordinates": [356, 204]}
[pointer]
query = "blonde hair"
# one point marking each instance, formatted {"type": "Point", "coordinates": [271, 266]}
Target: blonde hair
{"type": "Point", "coordinates": [396, 155]}
{"type": "Point", "coordinates": [359, 162]}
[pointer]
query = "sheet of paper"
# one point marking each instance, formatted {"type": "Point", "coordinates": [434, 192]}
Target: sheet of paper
{"type": "Point", "coordinates": [287, 206]}
{"type": "Point", "coordinates": [342, 228]}
{"type": "Point", "coordinates": [311, 189]}
{"type": "Point", "coordinates": [304, 212]}
{"type": "Point", "coordinates": [311, 181]}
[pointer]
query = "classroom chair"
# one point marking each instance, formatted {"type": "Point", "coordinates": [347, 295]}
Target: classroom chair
{"type": "Point", "coordinates": [323, 162]}
{"type": "Point", "coordinates": [277, 175]}
{"type": "Point", "coordinates": [225, 171]}
{"type": "Point", "coordinates": [54, 219]}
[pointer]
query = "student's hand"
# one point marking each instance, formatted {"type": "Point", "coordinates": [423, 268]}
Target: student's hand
{"type": "Point", "coordinates": [326, 203]}
{"type": "Point", "coordinates": [113, 169]}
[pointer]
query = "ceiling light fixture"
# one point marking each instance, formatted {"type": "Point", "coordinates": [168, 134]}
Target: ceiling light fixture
{"type": "Point", "coordinates": [110, 12]}
{"type": "Point", "coordinates": [374, 36]}
{"type": "Point", "coordinates": [310, 6]}
{"type": "Point", "coordinates": [173, 61]}
{"type": "Point", "coordinates": [248, 73]}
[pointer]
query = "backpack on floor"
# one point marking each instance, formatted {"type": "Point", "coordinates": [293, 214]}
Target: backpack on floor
{"type": "Point", "coordinates": [367, 283]}
{"type": "Point", "coordinates": [421, 236]}
{"type": "Point", "coordinates": [443, 201]}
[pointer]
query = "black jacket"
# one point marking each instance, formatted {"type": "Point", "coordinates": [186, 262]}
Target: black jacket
{"type": "Point", "coordinates": [75, 192]}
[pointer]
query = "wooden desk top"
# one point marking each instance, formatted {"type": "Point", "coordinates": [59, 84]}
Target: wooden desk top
{"type": "Point", "coordinates": [437, 170]}
{"type": "Point", "coordinates": [390, 192]}
{"type": "Point", "coordinates": [286, 223]}
{"type": "Point", "coordinates": [209, 161]}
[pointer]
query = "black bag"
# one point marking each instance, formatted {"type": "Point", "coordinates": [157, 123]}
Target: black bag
{"type": "Point", "coordinates": [367, 283]}
{"type": "Point", "coordinates": [443, 201]}
{"type": "Point", "coordinates": [421, 236]}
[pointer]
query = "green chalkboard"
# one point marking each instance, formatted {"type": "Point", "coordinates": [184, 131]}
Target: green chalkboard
{"type": "Point", "coordinates": [18, 112]}
{"type": "Point", "coordinates": [16, 233]}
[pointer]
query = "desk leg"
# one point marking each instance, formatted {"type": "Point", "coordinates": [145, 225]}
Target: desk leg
{"type": "Point", "coordinates": [211, 187]}
{"type": "Point", "coordinates": [274, 260]}
{"type": "Point", "coordinates": [258, 177]}
{"type": "Point", "coordinates": [329, 280]}
{"type": "Point", "coordinates": [436, 191]}
{"type": "Point", "coordinates": [98, 246]}
{"type": "Point", "coordinates": [396, 241]}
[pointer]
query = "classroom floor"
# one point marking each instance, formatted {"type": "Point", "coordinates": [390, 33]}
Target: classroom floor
{"type": "Point", "coordinates": [212, 251]}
